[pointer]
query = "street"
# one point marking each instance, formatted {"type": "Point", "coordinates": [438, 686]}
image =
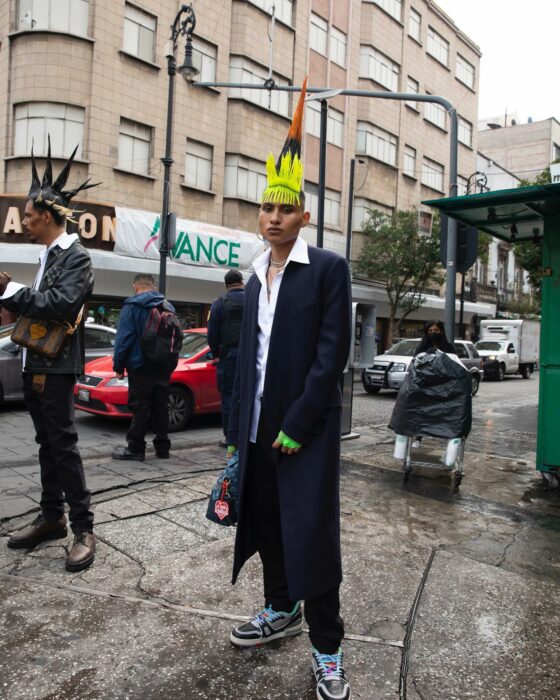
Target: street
{"type": "Point", "coordinates": [448, 594]}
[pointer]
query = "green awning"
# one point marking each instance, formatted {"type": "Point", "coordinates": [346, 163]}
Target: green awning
{"type": "Point", "coordinates": [511, 215]}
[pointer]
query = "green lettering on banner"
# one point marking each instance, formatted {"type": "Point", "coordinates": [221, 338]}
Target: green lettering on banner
{"type": "Point", "coordinates": [175, 251]}
{"type": "Point", "coordinates": [234, 256]}
{"type": "Point", "coordinates": [220, 261]}
{"type": "Point", "coordinates": [207, 251]}
{"type": "Point", "coordinates": [186, 247]}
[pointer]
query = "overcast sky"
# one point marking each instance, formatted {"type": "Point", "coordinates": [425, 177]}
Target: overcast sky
{"type": "Point", "coordinates": [520, 55]}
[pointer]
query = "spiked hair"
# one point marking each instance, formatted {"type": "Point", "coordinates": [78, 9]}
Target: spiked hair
{"type": "Point", "coordinates": [51, 195]}
{"type": "Point", "coordinates": [285, 176]}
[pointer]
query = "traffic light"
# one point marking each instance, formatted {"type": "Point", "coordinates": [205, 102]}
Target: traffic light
{"type": "Point", "coordinates": [467, 244]}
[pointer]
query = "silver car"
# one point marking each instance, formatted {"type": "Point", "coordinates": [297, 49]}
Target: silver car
{"type": "Point", "coordinates": [389, 370]}
{"type": "Point", "coordinates": [99, 341]}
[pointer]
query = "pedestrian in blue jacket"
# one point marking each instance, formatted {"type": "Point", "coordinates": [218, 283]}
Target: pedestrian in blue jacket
{"type": "Point", "coordinates": [148, 384]}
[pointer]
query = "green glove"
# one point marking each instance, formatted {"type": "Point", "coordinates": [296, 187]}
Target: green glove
{"type": "Point", "coordinates": [285, 441]}
{"type": "Point", "coordinates": [231, 449]}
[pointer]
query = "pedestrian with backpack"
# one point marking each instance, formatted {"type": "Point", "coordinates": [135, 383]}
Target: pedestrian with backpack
{"type": "Point", "coordinates": [224, 329]}
{"type": "Point", "coordinates": [149, 338]}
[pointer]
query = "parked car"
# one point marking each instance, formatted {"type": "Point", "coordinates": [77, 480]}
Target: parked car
{"type": "Point", "coordinates": [389, 370]}
{"type": "Point", "coordinates": [193, 386]}
{"type": "Point", "coordinates": [99, 341]}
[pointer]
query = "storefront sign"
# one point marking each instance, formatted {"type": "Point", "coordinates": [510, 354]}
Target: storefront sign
{"type": "Point", "coordinates": [96, 224]}
{"type": "Point", "coordinates": [196, 243]}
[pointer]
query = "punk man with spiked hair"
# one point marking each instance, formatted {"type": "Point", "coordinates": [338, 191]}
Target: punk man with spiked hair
{"type": "Point", "coordinates": [285, 422]}
{"type": "Point", "coordinates": [63, 284]}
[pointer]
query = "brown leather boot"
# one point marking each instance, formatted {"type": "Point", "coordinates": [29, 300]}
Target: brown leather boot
{"type": "Point", "coordinates": [82, 553]}
{"type": "Point", "coordinates": [40, 530]}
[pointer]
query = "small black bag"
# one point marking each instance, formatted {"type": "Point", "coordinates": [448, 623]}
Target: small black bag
{"type": "Point", "coordinates": [224, 497]}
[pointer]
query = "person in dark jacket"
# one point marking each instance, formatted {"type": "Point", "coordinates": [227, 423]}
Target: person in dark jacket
{"type": "Point", "coordinates": [148, 384]}
{"type": "Point", "coordinates": [434, 338]}
{"type": "Point", "coordinates": [224, 328]}
{"type": "Point", "coordinates": [285, 423]}
{"type": "Point", "coordinates": [63, 284]}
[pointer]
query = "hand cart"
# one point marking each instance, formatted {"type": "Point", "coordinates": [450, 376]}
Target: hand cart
{"type": "Point", "coordinates": [457, 464]}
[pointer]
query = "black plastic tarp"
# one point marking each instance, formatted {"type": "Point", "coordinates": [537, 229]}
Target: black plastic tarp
{"type": "Point", "coordinates": [434, 399]}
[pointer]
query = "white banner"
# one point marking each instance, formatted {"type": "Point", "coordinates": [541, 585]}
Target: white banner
{"type": "Point", "coordinates": [196, 243]}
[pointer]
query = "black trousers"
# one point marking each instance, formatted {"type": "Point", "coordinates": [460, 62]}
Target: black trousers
{"type": "Point", "coordinates": [322, 614]}
{"type": "Point", "coordinates": [62, 472]}
{"type": "Point", "coordinates": [226, 376]}
{"type": "Point", "coordinates": [148, 396]}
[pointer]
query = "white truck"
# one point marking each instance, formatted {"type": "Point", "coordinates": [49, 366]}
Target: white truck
{"type": "Point", "coordinates": [509, 346]}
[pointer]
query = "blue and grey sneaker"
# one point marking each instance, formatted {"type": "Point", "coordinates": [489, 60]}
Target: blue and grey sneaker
{"type": "Point", "coordinates": [267, 626]}
{"type": "Point", "coordinates": [330, 676]}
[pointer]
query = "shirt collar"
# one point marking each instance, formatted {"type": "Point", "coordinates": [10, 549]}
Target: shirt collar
{"type": "Point", "coordinates": [299, 253]}
{"type": "Point", "coordinates": [64, 241]}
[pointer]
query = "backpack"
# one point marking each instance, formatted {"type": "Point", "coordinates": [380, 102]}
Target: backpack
{"type": "Point", "coordinates": [162, 337]}
{"type": "Point", "coordinates": [230, 327]}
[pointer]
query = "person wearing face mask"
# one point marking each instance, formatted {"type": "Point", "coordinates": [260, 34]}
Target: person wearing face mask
{"type": "Point", "coordinates": [434, 338]}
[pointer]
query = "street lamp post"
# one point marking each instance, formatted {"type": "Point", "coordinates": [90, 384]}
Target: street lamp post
{"type": "Point", "coordinates": [184, 25]}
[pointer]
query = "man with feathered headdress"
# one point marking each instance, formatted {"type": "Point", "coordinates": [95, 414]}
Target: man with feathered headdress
{"type": "Point", "coordinates": [63, 284]}
{"type": "Point", "coordinates": [285, 422]}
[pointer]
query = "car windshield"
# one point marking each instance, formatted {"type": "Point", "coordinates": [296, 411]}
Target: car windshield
{"type": "Point", "coordinates": [193, 343]}
{"type": "Point", "coordinates": [488, 345]}
{"type": "Point", "coordinates": [403, 347]}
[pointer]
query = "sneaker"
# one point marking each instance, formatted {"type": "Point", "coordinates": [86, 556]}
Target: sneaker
{"type": "Point", "coordinates": [330, 676]}
{"type": "Point", "coordinates": [123, 453]}
{"type": "Point", "coordinates": [267, 626]}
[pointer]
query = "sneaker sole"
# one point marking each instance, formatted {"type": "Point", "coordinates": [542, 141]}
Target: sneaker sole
{"type": "Point", "coordinates": [82, 565]}
{"type": "Point", "coordinates": [283, 634]}
{"type": "Point", "coordinates": [321, 697]}
{"type": "Point", "coordinates": [128, 459]}
{"type": "Point", "coordinates": [31, 544]}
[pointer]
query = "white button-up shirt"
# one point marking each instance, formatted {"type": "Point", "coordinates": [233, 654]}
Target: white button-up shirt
{"type": "Point", "coordinates": [63, 241]}
{"type": "Point", "coordinates": [267, 309]}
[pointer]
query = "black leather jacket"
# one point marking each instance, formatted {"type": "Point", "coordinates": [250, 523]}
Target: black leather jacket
{"type": "Point", "coordinates": [66, 285]}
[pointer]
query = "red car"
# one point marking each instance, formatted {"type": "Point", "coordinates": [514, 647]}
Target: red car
{"type": "Point", "coordinates": [193, 386]}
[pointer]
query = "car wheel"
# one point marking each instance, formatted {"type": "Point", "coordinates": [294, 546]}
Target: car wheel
{"type": "Point", "coordinates": [371, 389]}
{"type": "Point", "coordinates": [180, 407]}
{"type": "Point", "coordinates": [475, 384]}
{"type": "Point", "coordinates": [526, 371]}
{"type": "Point", "coordinates": [500, 374]}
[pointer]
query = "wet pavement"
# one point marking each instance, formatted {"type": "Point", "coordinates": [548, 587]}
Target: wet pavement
{"type": "Point", "coordinates": [448, 593]}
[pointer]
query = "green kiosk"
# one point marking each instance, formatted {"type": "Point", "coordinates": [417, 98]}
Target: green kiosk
{"type": "Point", "coordinates": [528, 213]}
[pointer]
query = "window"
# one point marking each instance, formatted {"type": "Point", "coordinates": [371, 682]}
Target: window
{"type": "Point", "coordinates": [414, 24]}
{"type": "Point", "coordinates": [198, 165]}
{"type": "Point", "coordinates": [135, 145]}
{"type": "Point", "coordinates": [97, 339]}
{"type": "Point", "coordinates": [464, 71]}
{"type": "Point", "coordinates": [462, 184]}
{"type": "Point", "coordinates": [465, 132]}
{"type": "Point", "coordinates": [361, 211]}
{"type": "Point", "coordinates": [391, 7]}
{"type": "Point", "coordinates": [432, 174]}
{"type": "Point", "coordinates": [332, 204]}
{"type": "Point", "coordinates": [374, 142]}
{"type": "Point", "coordinates": [438, 47]}
{"type": "Point", "coordinates": [69, 16]}
{"type": "Point", "coordinates": [555, 151]}
{"type": "Point", "coordinates": [139, 33]}
{"type": "Point", "coordinates": [377, 67]}
{"type": "Point", "coordinates": [245, 178]}
{"type": "Point", "coordinates": [35, 121]}
{"type": "Point", "coordinates": [335, 123]}
{"type": "Point", "coordinates": [242, 70]}
{"type": "Point", "coordinates": [461, 350]}
{"type": "Point", "coordinates": [204, 58]}
{"type": "Point", "coordinates": [435, 114]}
{"type": "Point", "coordinates": [283, 8]}
{"type": "Point", "coordinates": [409, 161]}
{"type": "Point", "coordinates": [318, 33]}
{"type": "Point", "coordinates": [337, 47]}
{"type": "Point", "coordinates": [412, 86]}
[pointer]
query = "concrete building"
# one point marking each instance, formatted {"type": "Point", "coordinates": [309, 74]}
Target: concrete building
{"type": "Point", "coordinates": [523, 149]}
{"type": "Point", "coordinates": [94, 72]}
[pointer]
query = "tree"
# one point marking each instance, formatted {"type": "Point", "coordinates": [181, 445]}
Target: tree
{"type": "Point", "coordinates": [529, 253]}
{"type": "Point", "coordinates": [405, 262]}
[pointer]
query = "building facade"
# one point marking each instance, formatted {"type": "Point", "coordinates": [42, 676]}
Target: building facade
{"type": "Point", "coordinates": [93, 72]}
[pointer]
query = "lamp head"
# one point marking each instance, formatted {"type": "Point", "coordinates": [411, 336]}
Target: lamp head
{"type": "Point", "coordinates": [188, 70]}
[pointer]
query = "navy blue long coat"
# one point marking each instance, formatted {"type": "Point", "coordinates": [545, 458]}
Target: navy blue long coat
{"type": "Point", "coordinates": [308, 351]}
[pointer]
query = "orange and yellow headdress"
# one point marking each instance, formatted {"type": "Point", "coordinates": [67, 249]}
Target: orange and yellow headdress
{"type": "Point", "coordinates": [285, 176]}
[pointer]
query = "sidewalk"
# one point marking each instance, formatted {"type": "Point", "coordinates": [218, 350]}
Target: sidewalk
{"type": "Point", "coordinates": [447, 595]}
